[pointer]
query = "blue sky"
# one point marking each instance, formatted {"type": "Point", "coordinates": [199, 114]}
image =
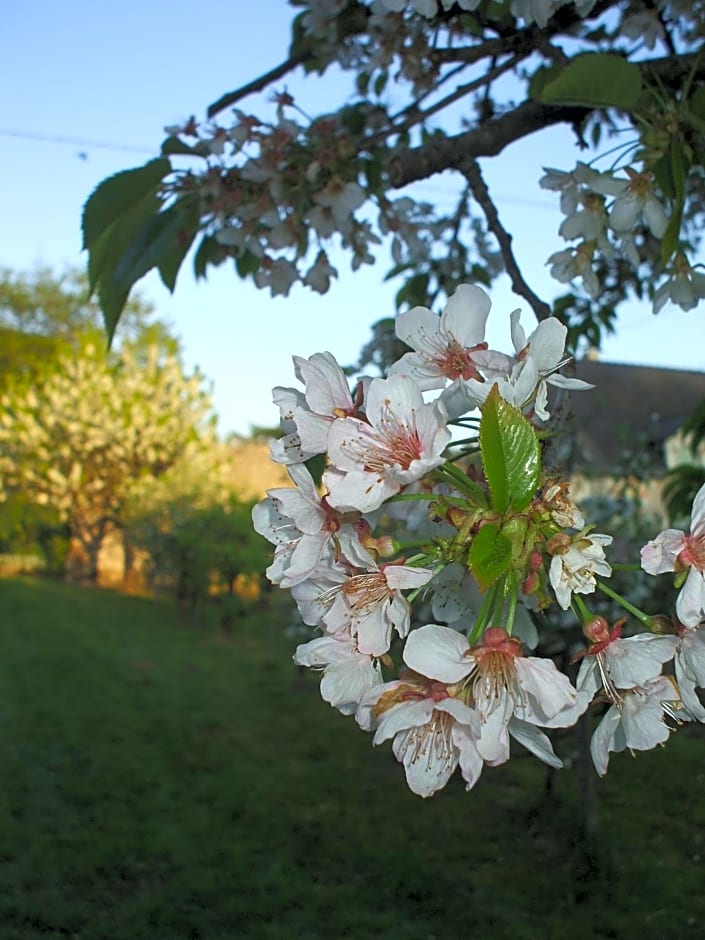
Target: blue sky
{"type": "Point", "coordinates": [86, 91]}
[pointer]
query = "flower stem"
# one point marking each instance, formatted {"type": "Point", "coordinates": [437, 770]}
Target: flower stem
{"type": "Point", "coordinates": [580, 609]}
{"type": "Point", "coordinates": [462, 482]}
{"type": "Point", "coordinates": [512, 608]}
{"type": "Point", "coordinates": [483, 616]}
{"type": "Point", "coordinates": [639, 614]}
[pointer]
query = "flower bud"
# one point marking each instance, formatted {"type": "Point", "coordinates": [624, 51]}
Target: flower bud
{"type": "Point", "coordinates": [531, 583]}
{"type": "Point", "coordinates": [596, 630]}
{"type": "Point", "coordinates": [559, 543]}
{"type": "Point", "coordinates": [661, 623]}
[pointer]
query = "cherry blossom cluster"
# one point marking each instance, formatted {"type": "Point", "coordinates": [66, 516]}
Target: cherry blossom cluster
{"type": "Point", "coordinates": [607, 213]}
{"type": "Point", "coordinates": [421, 558]}
{"type": "Point", "coordinates": [277, 195]}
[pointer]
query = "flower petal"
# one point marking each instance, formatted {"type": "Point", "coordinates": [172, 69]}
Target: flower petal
{"type": "Point", "coordinates": [438, 653]}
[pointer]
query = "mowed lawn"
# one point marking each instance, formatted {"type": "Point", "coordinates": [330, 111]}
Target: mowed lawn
{"type": "Point", "coordinates": [160, 781]}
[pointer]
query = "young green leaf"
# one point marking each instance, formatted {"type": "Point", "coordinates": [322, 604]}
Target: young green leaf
{"type": "Point", "coordinates": [511, 454]}
{"type": "Point", "coordinates": [595, 80]}
{"type": "Point", "coordinates": [490, 554]}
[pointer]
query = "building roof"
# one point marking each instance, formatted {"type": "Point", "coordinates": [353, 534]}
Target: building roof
{"type": "Point", "coordinates": [632, 410]}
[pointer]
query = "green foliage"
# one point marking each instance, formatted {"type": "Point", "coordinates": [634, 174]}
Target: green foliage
{"type": "Point", "coordinates": [43, 307]}
{"type": "Point", "coordinates": [29, 529]}
{"type": "Point", "coordinates": [128, 230]}
{"type": "Point", "coordinates": [193, 551]}
{"type": "Point", "coordinates": [594, 80]}
{"type": "Point", "coordinates": [490, 554]}
{"type": "Point", "coordinates": [511, 454]}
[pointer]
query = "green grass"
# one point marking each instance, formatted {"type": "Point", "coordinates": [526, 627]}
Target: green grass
{"type": "Point", "coordinates": [164, 782]}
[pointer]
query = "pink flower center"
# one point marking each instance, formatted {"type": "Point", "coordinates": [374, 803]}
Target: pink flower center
{"type": "Point", "coordinates": [397, 445]}
{"type": "Point", "coordinates": [455, 361]}
{"type": "Point", "coordinates": [366, 591]}
{"type": "Point", "coordinates": [494, 658]}
{"type": "Point", "coordinates": [692, 555]}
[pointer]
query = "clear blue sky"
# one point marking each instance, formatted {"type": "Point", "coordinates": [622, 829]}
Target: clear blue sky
{"type": "Point", "coordinates": [115, 74]}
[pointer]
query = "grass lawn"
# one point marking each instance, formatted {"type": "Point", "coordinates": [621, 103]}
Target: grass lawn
{"type": "Point", "coordinates": [165, 782]}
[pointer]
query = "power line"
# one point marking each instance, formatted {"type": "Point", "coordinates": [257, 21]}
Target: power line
{"type": "Point", "coordinates": [128, 148]}
{"type": "Point", "coordinates": [75, 141]}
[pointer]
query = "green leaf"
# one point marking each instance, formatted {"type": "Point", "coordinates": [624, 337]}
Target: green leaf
{"type": "Point", "coordinates": [171, 262]}
{"type": "Point", "coordinates": [414, 292]}
{"type": "Point", "coordinates": [117, 195]}
{"type": "Point", "coordinates": [542, 77]}
{"type": "Point", "coordinates": [174, 145]}
{"type": "Point", "coordinates": [679, 167]}
{"type": "Point", "coordinates": [247, 263]}
{"type": "Point", "coordinates": [511, 454]}
{"type": "Point", "coordinates": [209, 252]}
{"type": "Point", "coordinates": [595, 80]}
{"type": "Point", "coordinates": [108, 247]}
{"type": "Point", "coordinates": [490, 554]}
{"type": "Point", "coordinates": [381, 83]}
{"type": "Point", "coordinates": [132, 246]}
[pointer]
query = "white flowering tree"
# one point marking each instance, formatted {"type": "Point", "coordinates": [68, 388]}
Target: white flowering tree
{"type": "Point", "coordinates": [95, 429]}
{"type": "Point", "coordinates": [436, 87]}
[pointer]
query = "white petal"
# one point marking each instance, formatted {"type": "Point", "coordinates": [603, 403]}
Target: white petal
{"type": "Point", "coordinates": [603, 740]}
{"type": "Point", "coordinates": [659, 555]}
{"type": "Point", "coordinates": [690, 603]}
{"type": "Point", "coordinates": [548, 691]}
{"type": "Point", "coordinates": [401, 717]}
{"type": "Point", "coordinates": [427, 769]}
{"type": "Point", "coordinates": [465, 315]}
{"type": "Point", "coordinates": [438, 653]}
{"type": "Point", "coordinates": [636, 659]}
{"type": "Point", "coordinates": [535, 741]}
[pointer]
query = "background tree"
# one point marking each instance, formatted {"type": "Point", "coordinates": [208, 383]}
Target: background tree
{"type": "Point", "coordinates": [94, 426]}
{"type": "Point", "coordinates": [45, 303]}
{"type": "Point", "coordinates": [435, 87]}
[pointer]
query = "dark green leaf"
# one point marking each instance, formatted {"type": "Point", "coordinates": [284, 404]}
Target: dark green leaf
{"type": "Point", "coordinates": [149, 246]}
{"type": "Point", "coordinates": [381, 83]}
{"type": "Point", "coordinates": [490, 554]}
{"type": "Point", "coordinates": [171, 262]}
{"type": "Point", "coordinates": [174, 145]}
{"type": "Point", "coordinates": [128, 250]}
{"type": "Point", "coordinates": [595, 80]}
{"type": "Point", "coordinates": [679, 171]}
{"type": "Point", "coordinates": [118, 194]}
{"type": "Point", "coordinates": [106, 250]}
{"type": "Point", "coordinates": [511, 454]}
{"type": "Point", "coordinates": [209, 252]}
{"type": "Point", "coordinates": [247, 263]}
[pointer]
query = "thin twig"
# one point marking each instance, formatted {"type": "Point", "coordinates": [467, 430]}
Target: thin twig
{"type": "Point", "coordinates": [257, 84]}
{"type": "Point", "coordinates": [460, 92]}
{"type": "Point", "coordinates": [470, 169]}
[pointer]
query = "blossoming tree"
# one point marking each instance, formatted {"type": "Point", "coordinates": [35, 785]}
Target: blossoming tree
{"type": "Point", "coordinates": [439, 530]}
{"type": "Point", "coordinates": [95, 430]}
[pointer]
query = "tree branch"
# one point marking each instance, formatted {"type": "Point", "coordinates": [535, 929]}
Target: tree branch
{"type": "Point", "coordinates": [470, 169]}
{"type": "Point", "coordinates": [486, 140]}
{"type": "Point", "coordinates": [490, 138]}
{"type": "Point", "coordinates": [257, 84]}
{"type": "Point", "coordinates": [418, 117]}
